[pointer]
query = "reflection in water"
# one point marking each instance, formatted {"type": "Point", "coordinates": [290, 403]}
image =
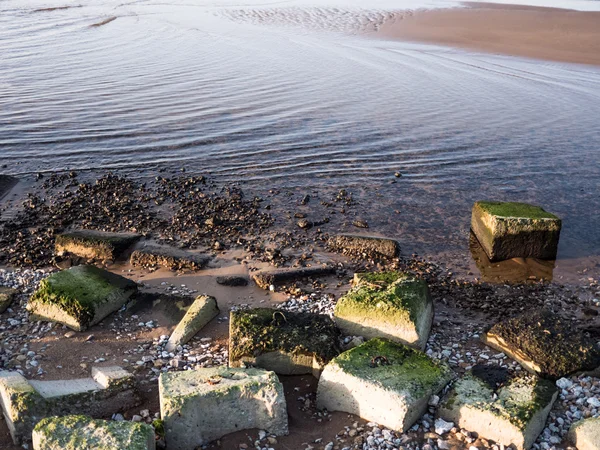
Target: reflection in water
{"type": "Point", "coordinates": [515, 270]}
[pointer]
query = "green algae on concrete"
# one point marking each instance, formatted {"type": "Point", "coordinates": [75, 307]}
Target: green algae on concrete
{"type": "Point", "coordinates": [80, 297]}
{"type": "Point", "coordinates": [585, 434]}
{"type": "Point", "coordinates": [393, 305]}
{"type": "Point", "coordinates": [382, 381]}
{"type": "Point", "coordinates": [512, 414]}
{"type": "Point", "coordinates": [7, 295]}
{"type": "Point", "coordinates": [202, 405]}
{"type": "Point", "coordinates": [508, 230]}
{"type": "Point", "coordinates": [286, 342]}
{"type": "Point", "coordinates": [94, 244]}
{"type": "Point", "coordinates": [82, 432]}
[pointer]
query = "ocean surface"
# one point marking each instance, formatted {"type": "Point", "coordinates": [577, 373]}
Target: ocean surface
{"type": "Point", "coordinates": [293, 94]}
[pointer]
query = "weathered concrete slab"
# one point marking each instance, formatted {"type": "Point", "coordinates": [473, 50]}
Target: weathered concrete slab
{"type": "Point", "coordinates": [200, 406]}
{"type": "Point", "coordinates": [515, 230]}
{"type": "Point", "coordinates": [151, 255]}
{"type": "Point", "coordinates": [25, 403]}
{"type": "Point", "coordinates": [383, 382]}
{"type": "Point", "coordinates": [364, 246]}
{"type": "Point", "coordinates": [82, 432]}
{"type": "Point", "coordinates": [202, 311]}
{"type": "Point", "coordinates": [7, 296]}
{"type": "Point", "coordinates": [514, 414]}
{"type": "Point", "coordinates": [80, 297]}
{"type": "Point", "coordinates": [265, 279]}
{"type": "Point", "coordinates": [393, 305]}
{"type": "Point", "coordinates": [285, 342]}
{"type": "Point", "coordinates": [6, 184]}
{"type": "Point", "coordinates": [585, 434]}
{"type": "Point", "coordinates": [92, 244]}
{"type": "Point", "coordinates": [544, 344]}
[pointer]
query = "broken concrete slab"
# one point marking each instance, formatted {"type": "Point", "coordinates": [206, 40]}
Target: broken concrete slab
{"type": "Point", "coordinates": [544, 344]}
{"type": "Point", "coordinates": [7, 296]}
{"type": "Point", "coordinates": [80, 297]}
{"type": "Point", "coordinates": [6, 184]}
{"type": "Point", "coordinates": [237, 399]}
{"type": "Point", "coordinates": [364, 246]}
{"type": "Point", "coordinates": [25, 403]}
{"type": "Point", "coordinates": [515, 230]}
{"type": "Point", "coordinates": [265, 279]}
{"type": "Point", "coordinates": [92, 244]}
{"type": "Point", "coordinates": [288, 343]}
{"type": "Point", "coordinates": [151, 256]}
{"type": "Point", "coordinates": [232, 280]}
{"type": "Point", "coordinates": [585, 434]}
{"type": "Point", "coordinates": [513, 414]}
{"type": "Point", "coordinates": [393, 305]}
{"type": "Point", "coordinates": [202, 311]}
{"type": "Point", "coordinates": [383, 382]}
{"type": "Point", "coordinates": [82, 432]}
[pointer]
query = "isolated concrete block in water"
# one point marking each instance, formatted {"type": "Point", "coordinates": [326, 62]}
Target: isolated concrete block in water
{"type": "Point", "coordinates": [265, 279]}
{"type": "Point", "coordinates": [92, 244]}
{"type": "Point", "coordinates": [285, 342]}
{"type": "Point", "coordinates": [25, 403]}
{"type": "Point", "coordinates": [82, 432]}
{"type": "Point", "coordinates": [7, 296]}
{"type": "Point", "coordinates": [514, 414]}
{"type": "Point", "coordinates": [168, 257]}
{"type": "Point", "coordinates": [585, 434]}
{"type": "Point", "coordinates": [544, 344]}
{"type": "Point", "coordinates": [393, 305]}
{"type": "Point", "coordinates": [202, 405]}
{"type": "Point", "coordinates": [202, 311]}
{"type": "Point", "coordinates": [80, 297]}
{"type": "Point", "coordinates": [365, 246]}
{"type": "Point", "coordinates": [515, 230]}
{"type": "Point", "coordinates": [383, 382]}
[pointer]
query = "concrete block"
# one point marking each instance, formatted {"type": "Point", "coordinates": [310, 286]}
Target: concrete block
{"type": "Point", "coordinates": [585, 434]}
{"type": "Point", "coordinates": [364, 246]}
{"type": "Point", "coordinates": [200, 313]}
{"type": "Point", "coordinates": [7, 296]}
{"type": "Point", "coordinates": [91, 244]}
{"type": "Point", "coordinates": [151, 255]}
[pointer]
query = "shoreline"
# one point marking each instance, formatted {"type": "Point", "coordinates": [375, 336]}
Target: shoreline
{"type": "Point", "coordinates": [551, 34]}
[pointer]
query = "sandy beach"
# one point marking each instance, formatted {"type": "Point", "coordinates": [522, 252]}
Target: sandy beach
{"type": "Point", "coordinates": [542, 33]}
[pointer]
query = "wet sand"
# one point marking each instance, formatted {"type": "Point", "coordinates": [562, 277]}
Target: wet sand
{"type": "Point", "coordinates": [542, 33]}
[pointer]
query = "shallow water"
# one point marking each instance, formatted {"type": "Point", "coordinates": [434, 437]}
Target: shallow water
{"type": "Point", "coordinates": [292, 94]}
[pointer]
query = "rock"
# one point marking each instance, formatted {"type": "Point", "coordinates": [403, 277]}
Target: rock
{"type": "Point", "coordinates": [169, 257]}
{"type": "Point", "coordinates": [443, 427]}
{"type": "Point", "coordinates": [6, 184]}
{"type": "Point", "coordinates": [368, 246]}
{"type": "Point", "coordinates": [80, 297]}
{"type": "Point", "coordinates": [393, 305]}
{"type": "Point", "coordinates": [515, 230]}
{"type": "Point", "coordinates": [7, 296]}
{"type": "Point", "coordinates": [26, 402]}
{"type": "Point", "coordinates": [285, 342]}
{"type": "Point", "coordinates": [202, 311]}
{"type": "Point", "coordinates": [544, 344]}
{"type": "Point", "coordinates": [264, 279]}
{"type": "Point", "coordinates": [382, 382]}
{"type": "Point", "coordinates": [232, 281]}
{"type": "Point", "coordinates": [82, 432]}
{"type": "Point", "coordinates": [510, 411]}
{"type": "Point", "coordinates": [585, 434]}
{"type": "Point", "coordinates": [237, 399]}
{"type": "Point", "coordinates": [305, 224]}
{"type": "Point", "coordinates": [93, 244]}
{"type": "Point", "coordinates": [360, 224]}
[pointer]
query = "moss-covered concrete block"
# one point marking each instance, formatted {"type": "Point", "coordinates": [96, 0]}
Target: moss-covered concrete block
{"type": "Point", "coordinates": [285, 342]}
{"type": "Point", "coordinates": [544, 344]}
{"type": "Point", "coordinates": [515, 230]}
{"type": "Point", "coordinates": [82, 432]}
{"type": "Point", "coordinates": [150, 256]}
{"type": "Point", "coordinates": [200, 406]}
{"type": "Point", "coordinates": [383, 382]}
{"type": "Point", "coordinates": [7, 296]}
{"type": "Point", "coordinates": [585, 434]}
{"type": "Point", "coordinates": [364, 246]}
{"type": "Point", "coordinates": [511, 412]}
{"type": "Point", "coordinates": [92, 244]}
{"type": "Point", "coordinates": [26, 402]}
{"type": "Point", "coordinates": [393, 305]}
{"type": "Point", "coordinates": [80, 297]}
{"type": "Point", "coordinates": [202, 311]}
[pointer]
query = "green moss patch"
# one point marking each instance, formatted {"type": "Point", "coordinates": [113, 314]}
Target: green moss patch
{"type": "Point", "coordinates": [514, 209]}
{"type": "Point", "coordinates": [262, 330]}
